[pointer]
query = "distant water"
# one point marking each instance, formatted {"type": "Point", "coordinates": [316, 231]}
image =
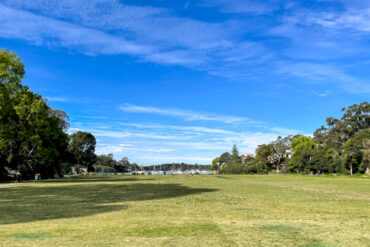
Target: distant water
{"type": "Point", "coordinates": [202, 172]}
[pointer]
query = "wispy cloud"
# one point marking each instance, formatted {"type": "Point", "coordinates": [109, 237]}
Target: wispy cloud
{"type": "Point", "coordinates": [352, 19]}
{"type": "Point", "coordinates": [57, 99]}
{"type": "Point", "coordinates": [284, 131]}
{"type": "Point", "coordinates": [158, 35]}
{"type": "Point", "coordinates": [109, 27]}
{"type": "Point", "coordinates": [126, 134]}
{"type": "Point", "coordinates": [108, 148]}
{"type": "Point", "coordinates": [55, 33]}
{"type": "Point", "coordinates": [183, 128]}
{"type": "Point", "coordinates": [175, 158]}
{"type": "Point", "coordinates": [164, 142]}
{"type": "Point", "coordinates": [180, 113]}
{"type": "Point", "coordinates": [244, 41]}
{"type": "Point", "coordinates": [327, 74]}
{"type": "Point", "coordinates": [322, 94]}
{"type": "Point", "coordinates": [91, 117]}
{"type": "Point", "coordinates": [250, 6]}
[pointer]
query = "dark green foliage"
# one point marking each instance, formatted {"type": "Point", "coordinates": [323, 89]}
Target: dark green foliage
{"type": "Point", "coordinates": [106, 163]}
{"type": "Point", "coordinates": [343, 146]}
{"type": "Point", "coordinates": [225, 157]}
{"type": "Point", "coordinates": [216, 163]}
{"type": "Point", "coordinates": [353, 151]}
{"type": "Point", "coordinates": [264, 154]}
{"type": "Point", "coordinates": [177, 167]}
{"type": "Point", "coordinates": [235, 155]}
{"type": "Point", "coordinates": [32, 137]}
{"type": "Point", "coordinates": [82, 146]}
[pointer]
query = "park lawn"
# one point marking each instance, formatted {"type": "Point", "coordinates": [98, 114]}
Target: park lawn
{"type": "Point", "coordinates": [201, 210]}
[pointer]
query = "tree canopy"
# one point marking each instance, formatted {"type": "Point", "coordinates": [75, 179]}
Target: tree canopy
{"type": "Point", "coordinates": [32, 135]}
{"type": "Point", "coordinates": [340, 146]}
{"type": "Point", "coordinates": [82, 146]}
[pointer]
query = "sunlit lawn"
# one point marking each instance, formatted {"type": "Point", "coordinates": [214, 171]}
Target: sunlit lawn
{"type": "Point", "coordinates": [203, 210]}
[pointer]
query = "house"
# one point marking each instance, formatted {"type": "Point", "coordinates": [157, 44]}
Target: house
{"type": "Point", "coordinates": [289, 153]}
{"type": "Point", "coordinates": [76, 170]}
{"type": "Point", "coordinates": [245, 156]}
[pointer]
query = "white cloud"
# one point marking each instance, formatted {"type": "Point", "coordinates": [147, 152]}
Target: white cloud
{"type": "Point", "coordinates": [284, 131]}
{"type": "Point", "coordinates": [57, 99]}
{"type": "Point", "coordinates": [175, 159]}
{"type": "Point", "coordinates": [126, 134]}
{"type": "Point", "coordinates": [324, 73]}
{"type": "Point", "coordinates": [150, 34]}
{"type": "Point", "coordinates": [91, 117]}
{"type": "Point", "coordinates": [244, 6]}
{"type": "Point", "coordinates": [170, 143]}
{"type": "Point", "coordinates": [353, 19]}
{"type": "Point", "coordinates": [183, 114]}
{"type": "Point", "coordinates": [118, 149]}
{"type": "Point", "coordinates": [19, 24]}
{"type": "Point", "coordinates": [184, 128]}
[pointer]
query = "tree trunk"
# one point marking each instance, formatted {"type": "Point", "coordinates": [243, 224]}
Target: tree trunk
{"type": "Point", "coordinates": [367, 170]}
{"type": "Point", "coordinates": [277, 165]}
{"type": "Point", "coordinates": [350, 168]}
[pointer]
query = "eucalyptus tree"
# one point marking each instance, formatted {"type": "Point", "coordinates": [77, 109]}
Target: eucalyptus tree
{"type": "Point", "coordinates": [354, 150]}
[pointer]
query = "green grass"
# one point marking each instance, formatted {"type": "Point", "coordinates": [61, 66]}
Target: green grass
{"type": "Point", "coordinates": [202, 210]}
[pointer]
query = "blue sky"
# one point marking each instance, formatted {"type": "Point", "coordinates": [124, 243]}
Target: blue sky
{"type": "Point", "coordinates": [181, 81]}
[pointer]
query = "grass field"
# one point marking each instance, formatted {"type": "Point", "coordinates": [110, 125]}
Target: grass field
{"type": "Point", "coordinates": [207, 210]}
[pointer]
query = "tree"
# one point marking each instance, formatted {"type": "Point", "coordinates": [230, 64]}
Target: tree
{"type": "Point", "coordinates": [11, 69]}
{"type": "Point", "coordinates": [342, 145]}
{"type": "Point", "coordinates": [106, 160]}
{"type": "Point", "coordinates": [366, 156]}
{"type": "Point", "coordinates": [105, 163]}
{"type": "Point", "coordinates": [32, 137]}
{"type": "Point", "coordinates": [317, 160]}
{"type": "Point", "coordinates": [225, 158]}
{"type": "Point", "coordinates": [280, 146]}
{"type": "Point", "coordinates": [215, 163]}
{"type": "Point", "coordinates": [123, 165]}
{"type": "Point", "coordinates": [353, 150]}
{"type": "Point", "coordinates": [264, 153]}
{"type": "Point", "coordinates": [302, 147]}
{"type": "Point", "coordinates": [355, 118]}
{"type": "Point", "coordinates": [82, 146]}
{"type": "Point", "coordinates": [334, 161]}
{"type": "Point", "coordinates": [235, 155]}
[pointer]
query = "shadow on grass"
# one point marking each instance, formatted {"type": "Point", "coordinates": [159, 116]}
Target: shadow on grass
{"type": "Point", "coordinates": [57, 201]}
{"type": "Point", "coordinates": [223, 177]}
{"type": "Point", "coordinates": [101, 178]}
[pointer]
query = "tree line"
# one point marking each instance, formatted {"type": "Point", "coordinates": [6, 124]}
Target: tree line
{"type": "Point", "coordinates": [33, 136]}
{"type": "Point", "coordinates": [107, 163]}
{"type": "Point", "coordinates": [340, 146]}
